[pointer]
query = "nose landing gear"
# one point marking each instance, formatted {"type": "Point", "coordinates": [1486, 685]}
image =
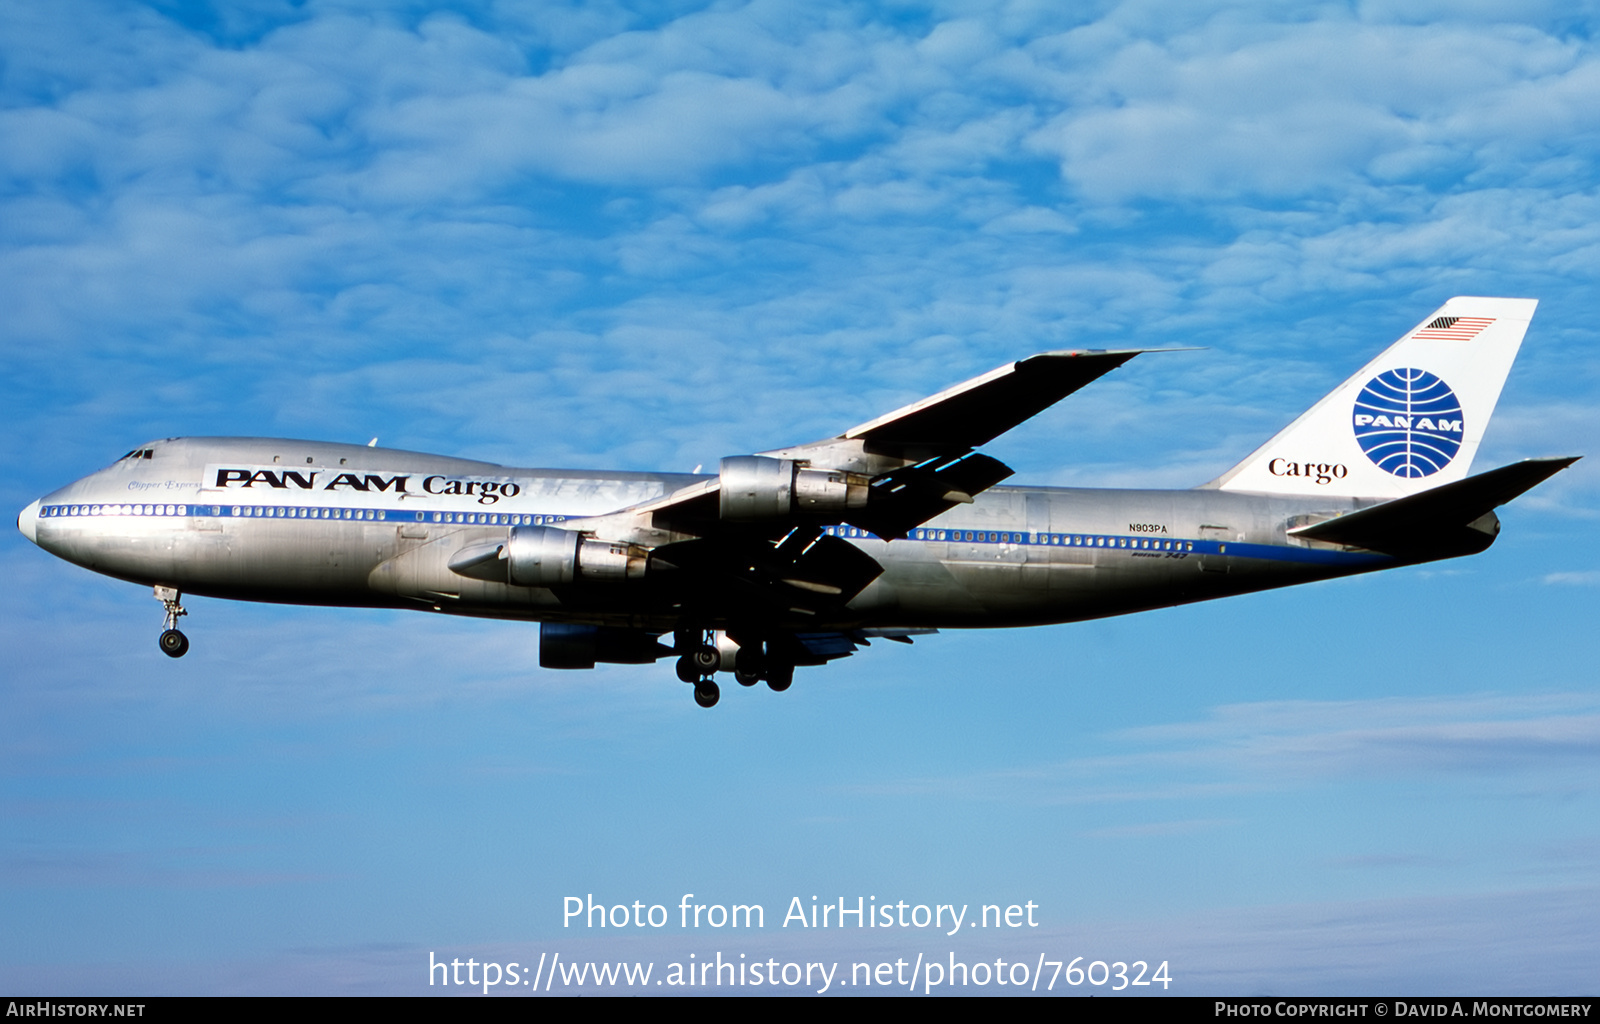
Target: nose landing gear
{"type": "Point", "coordinates": [173, 643]}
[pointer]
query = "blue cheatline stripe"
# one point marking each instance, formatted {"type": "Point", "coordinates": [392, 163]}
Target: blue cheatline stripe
{"type": "Point", "coordinates": [1130, 543]}
{"type": "Point", "coordinates": [1099, 541]}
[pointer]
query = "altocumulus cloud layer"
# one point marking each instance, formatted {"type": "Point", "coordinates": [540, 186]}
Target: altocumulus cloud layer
{"type": "Point", "coordinates": [645, 236]}
{"type": "Point", "coordinates": [505, 204]}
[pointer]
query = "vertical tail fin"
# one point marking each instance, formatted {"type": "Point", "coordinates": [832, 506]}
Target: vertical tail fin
{"type": "Point", "coordinates": [1409, 421]}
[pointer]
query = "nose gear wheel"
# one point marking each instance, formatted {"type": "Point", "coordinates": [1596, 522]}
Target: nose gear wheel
{"type": "Point", "coordinates": [172, 642]}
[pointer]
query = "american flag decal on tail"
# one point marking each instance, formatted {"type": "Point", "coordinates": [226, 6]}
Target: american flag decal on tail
{"type": "Point", "coordinates": [1453, 328]}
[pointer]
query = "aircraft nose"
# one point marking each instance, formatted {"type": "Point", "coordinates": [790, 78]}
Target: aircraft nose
{"type": "Point", "coordinates": [28, 521]}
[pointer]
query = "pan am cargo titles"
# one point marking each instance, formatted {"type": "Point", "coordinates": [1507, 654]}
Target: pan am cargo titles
{"type": "Point", "coordinates": [486, 491]}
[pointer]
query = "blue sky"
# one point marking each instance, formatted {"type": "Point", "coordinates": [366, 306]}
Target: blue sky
{"type": "Point", "coordinates": [647, 236]}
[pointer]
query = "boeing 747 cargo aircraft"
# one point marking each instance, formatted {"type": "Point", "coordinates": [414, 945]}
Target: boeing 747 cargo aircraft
{"type": "Point", "coordinates": [894, 528]}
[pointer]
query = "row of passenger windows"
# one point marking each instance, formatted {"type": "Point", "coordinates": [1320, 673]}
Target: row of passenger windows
{"type": "Point", "coordinates": [1073, 540]}
{"type": "Point", "coordinates": [236, 511]}
{"type": "Point", "coordinates": [301, 512]}
{"type": "Point", "coordinates": [298, 512]}
{"type": "Point", "coordinates": [493, 518]}
{"type": "Point", "coordinates": [114, 510]}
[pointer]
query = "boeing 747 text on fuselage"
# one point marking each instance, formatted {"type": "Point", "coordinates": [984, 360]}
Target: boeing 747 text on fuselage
{"type": "Point", "coordinates": [794, 557]}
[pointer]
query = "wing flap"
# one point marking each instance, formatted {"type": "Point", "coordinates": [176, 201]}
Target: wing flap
{"type": "Point", "coordinates": [805, 574]}
{"type": "Point", "coordinates": [826, 646]}
{"type": "Point", "coordinates": [906, 498]}
{"type": "Point", "coordinates": [832, 566]}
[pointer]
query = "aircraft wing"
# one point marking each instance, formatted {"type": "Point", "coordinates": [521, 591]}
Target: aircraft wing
{"type": "Point", "coordinates": [757, 530]}
{"type": "Point", "coordinates": [917, 461]}
{"type": "Point", "coordinates": [977, 411]}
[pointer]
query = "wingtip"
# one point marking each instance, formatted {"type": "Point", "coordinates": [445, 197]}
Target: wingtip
{"type": "Point", "coordinates": [1563, 460]}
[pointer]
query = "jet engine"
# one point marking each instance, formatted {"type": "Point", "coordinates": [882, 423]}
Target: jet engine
{"type": "Point", "coordinates": [543, 556]}
{"type": "Point", "coordinates": [564, 645]}
{"type": "Point", "coordinates": [755, 487]}
{"type": "Point", "coordinates": [547, 556]}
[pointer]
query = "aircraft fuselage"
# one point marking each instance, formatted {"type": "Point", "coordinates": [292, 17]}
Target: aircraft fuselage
{"type": "Point", "coordinates": [330, 524]}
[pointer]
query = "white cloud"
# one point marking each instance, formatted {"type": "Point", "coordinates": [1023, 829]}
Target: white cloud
{"type": "Point", "coordinates": [1321, 739]}
{"type": "Point", "coordinates": [1299, 109]}
{"type": "Point", "coordinates": [1277, 745]}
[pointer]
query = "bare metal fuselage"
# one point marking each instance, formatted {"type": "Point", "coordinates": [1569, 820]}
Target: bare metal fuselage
{"type": "Point", "coordinates": [332, 524]}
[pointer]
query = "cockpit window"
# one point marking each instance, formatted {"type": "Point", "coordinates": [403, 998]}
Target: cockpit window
{"type": "Point", "coordinates": [138, 453]}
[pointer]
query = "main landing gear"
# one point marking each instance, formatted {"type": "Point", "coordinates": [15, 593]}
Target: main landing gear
{"type": "Point", "coordinates": [699, 663]}
{"type": "Point", "coordinates": [750, 666]}
{"type": "Point", "coordinates": [702, 659]}
{"type": "Point", "coordinates": [173, 643]}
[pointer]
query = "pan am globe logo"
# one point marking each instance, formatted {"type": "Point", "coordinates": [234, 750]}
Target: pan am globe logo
{"type": "Point", "coordinates": [1408, 422]}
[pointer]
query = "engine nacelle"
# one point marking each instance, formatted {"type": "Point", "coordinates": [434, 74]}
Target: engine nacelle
{"type": "Point", "coordinates": [755, 488]}
{"type": "Point", "coordinates": [564, 645]}
{"type": "Point", "coordinates": [548, 556]}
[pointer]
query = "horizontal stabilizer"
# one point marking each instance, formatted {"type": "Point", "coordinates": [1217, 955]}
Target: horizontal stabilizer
{"type": "Point", "coordinates": [1433, 518]}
